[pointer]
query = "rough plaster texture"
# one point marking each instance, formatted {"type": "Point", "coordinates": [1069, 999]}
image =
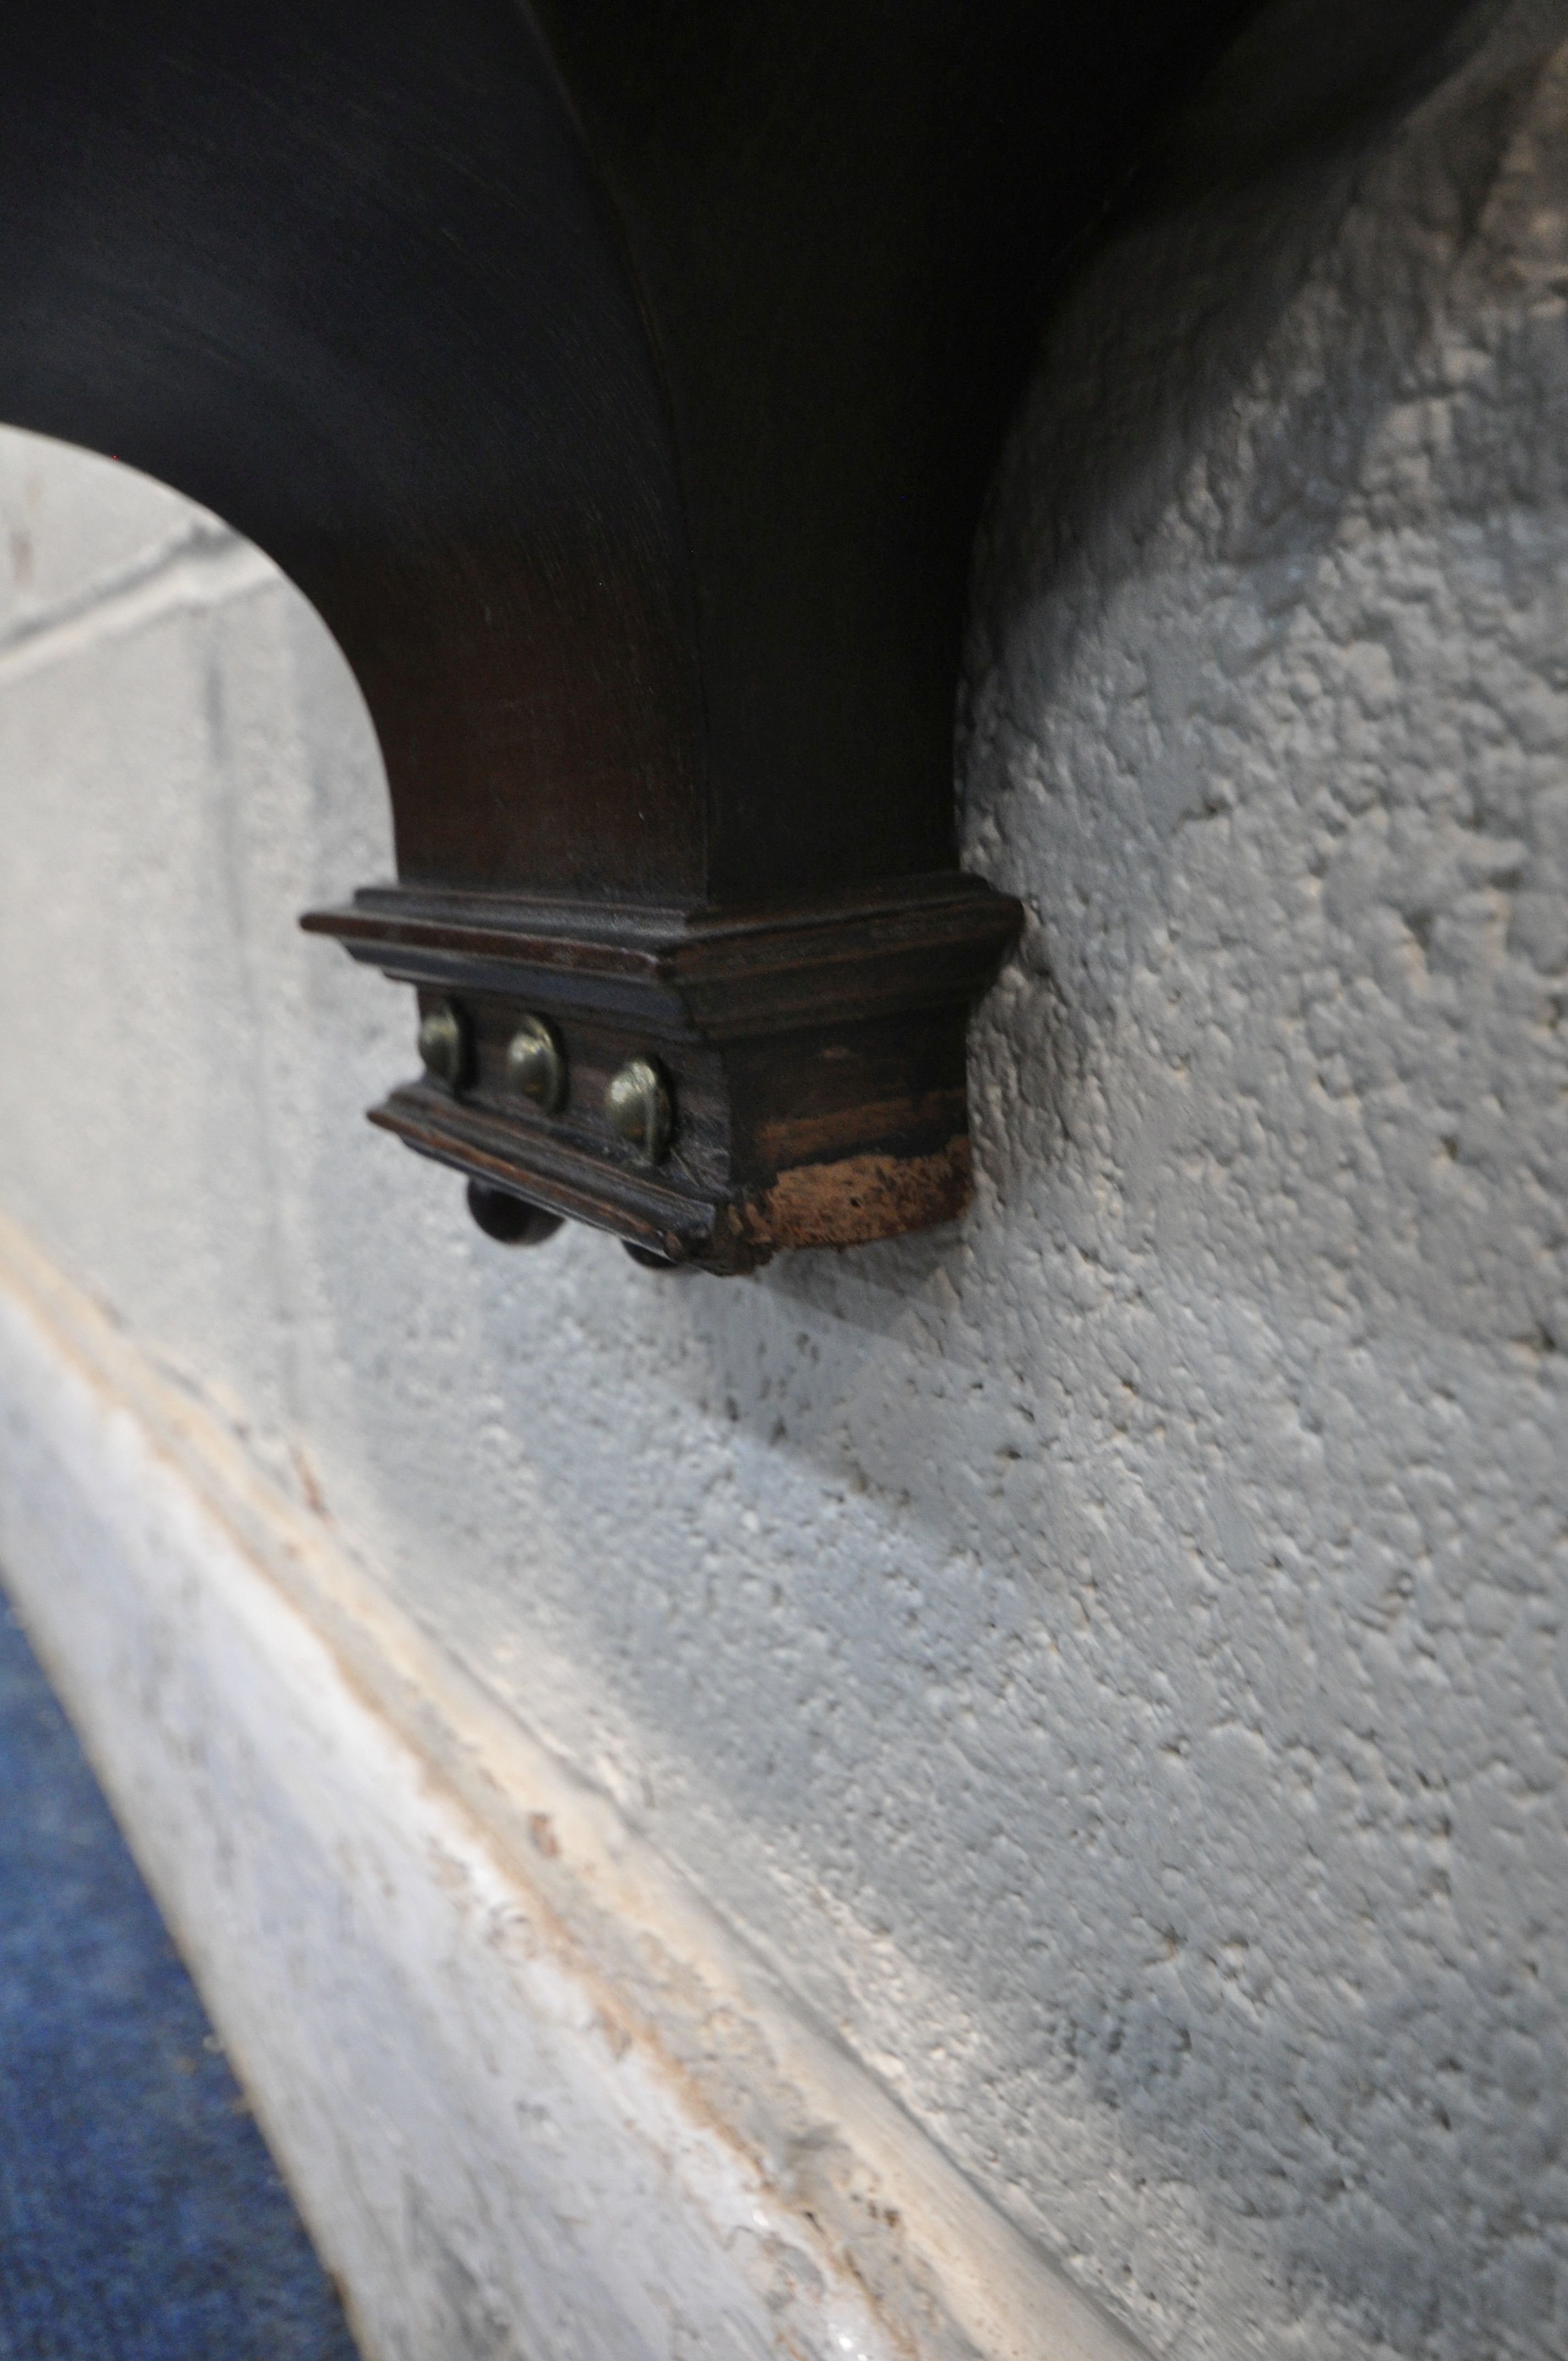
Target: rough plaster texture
{"type": "Point", "coordinates": [489, 2165]}
{"type": "Point", "coordinates": [533, 2096]}
{"type": "Point", "coordinates": [1112, 1657]}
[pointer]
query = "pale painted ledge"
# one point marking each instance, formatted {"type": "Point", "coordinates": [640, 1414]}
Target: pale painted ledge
{"type": "Point", "coordinates": [533, 2097]}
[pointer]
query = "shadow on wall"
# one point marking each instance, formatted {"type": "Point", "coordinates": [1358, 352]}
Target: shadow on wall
{"type": "Point", "coordinates": [1153, 1592]}
{"type": "Point", "coordinates": [1105, 1655]}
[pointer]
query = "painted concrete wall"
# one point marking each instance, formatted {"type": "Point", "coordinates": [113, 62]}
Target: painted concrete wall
{"type": "Point", "coordinates": [1112, 1657]}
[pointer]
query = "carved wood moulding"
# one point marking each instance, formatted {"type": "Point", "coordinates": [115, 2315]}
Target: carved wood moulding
{"type": "Point", "coordinates": [619, 379]}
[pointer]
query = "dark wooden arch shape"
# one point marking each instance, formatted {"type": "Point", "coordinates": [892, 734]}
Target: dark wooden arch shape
{"type": "Point", "coordinates": [619, 379]}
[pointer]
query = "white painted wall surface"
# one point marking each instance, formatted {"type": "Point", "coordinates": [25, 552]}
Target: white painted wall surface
{"type": "Point", "coordinates": [1110, 1659]}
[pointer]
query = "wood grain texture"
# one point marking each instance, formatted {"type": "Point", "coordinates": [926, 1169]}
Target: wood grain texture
{"type": "Point", "coordinates": [620, 380]}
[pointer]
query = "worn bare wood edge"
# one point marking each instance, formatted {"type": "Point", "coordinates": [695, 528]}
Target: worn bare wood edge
{"type": "Point", "coordinates": [857, 1199]}
{"type": "Point", "coordinates": [851, 1201]}
{"type": "Point", "coordinates": [682, 1224]}
{"type": "Point", "coordinates": [221, 1647]}
{"type": "Point", "coordinates": [758, 992]}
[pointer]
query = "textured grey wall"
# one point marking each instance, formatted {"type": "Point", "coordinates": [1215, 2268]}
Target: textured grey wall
{"type": "Point", "coordinates": [1109, 1656]}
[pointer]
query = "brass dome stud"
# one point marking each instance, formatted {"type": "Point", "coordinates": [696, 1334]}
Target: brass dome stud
{"type": "Point", "coordinates": [445, 1045]}
{"type": "Point", "coordinates": [536, 1066]}
{"type": "Point", "coordinates": [637, 1108]}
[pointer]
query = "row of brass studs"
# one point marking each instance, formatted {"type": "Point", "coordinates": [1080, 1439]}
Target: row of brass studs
{"type": "Point", "coordinates": [637, 1103]}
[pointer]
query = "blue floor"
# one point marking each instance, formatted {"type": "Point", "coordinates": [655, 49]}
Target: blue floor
{"type": "Point", "coordinates": [140, 2217]}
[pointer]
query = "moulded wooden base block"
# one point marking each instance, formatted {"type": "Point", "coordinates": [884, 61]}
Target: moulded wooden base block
{"type": "Point", "coordinates": [813, 1056]}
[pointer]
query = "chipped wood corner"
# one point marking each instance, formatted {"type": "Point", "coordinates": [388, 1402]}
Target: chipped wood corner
{"type": "Point", "coordinates": [860, 1199]}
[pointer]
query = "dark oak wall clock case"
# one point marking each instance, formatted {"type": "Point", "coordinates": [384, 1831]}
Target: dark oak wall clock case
{"type": "Point", "coordinates": [619, 379]}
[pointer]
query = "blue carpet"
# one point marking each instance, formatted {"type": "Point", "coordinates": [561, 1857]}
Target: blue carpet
{"type": "Point", "coordinates": [141, 2215]}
